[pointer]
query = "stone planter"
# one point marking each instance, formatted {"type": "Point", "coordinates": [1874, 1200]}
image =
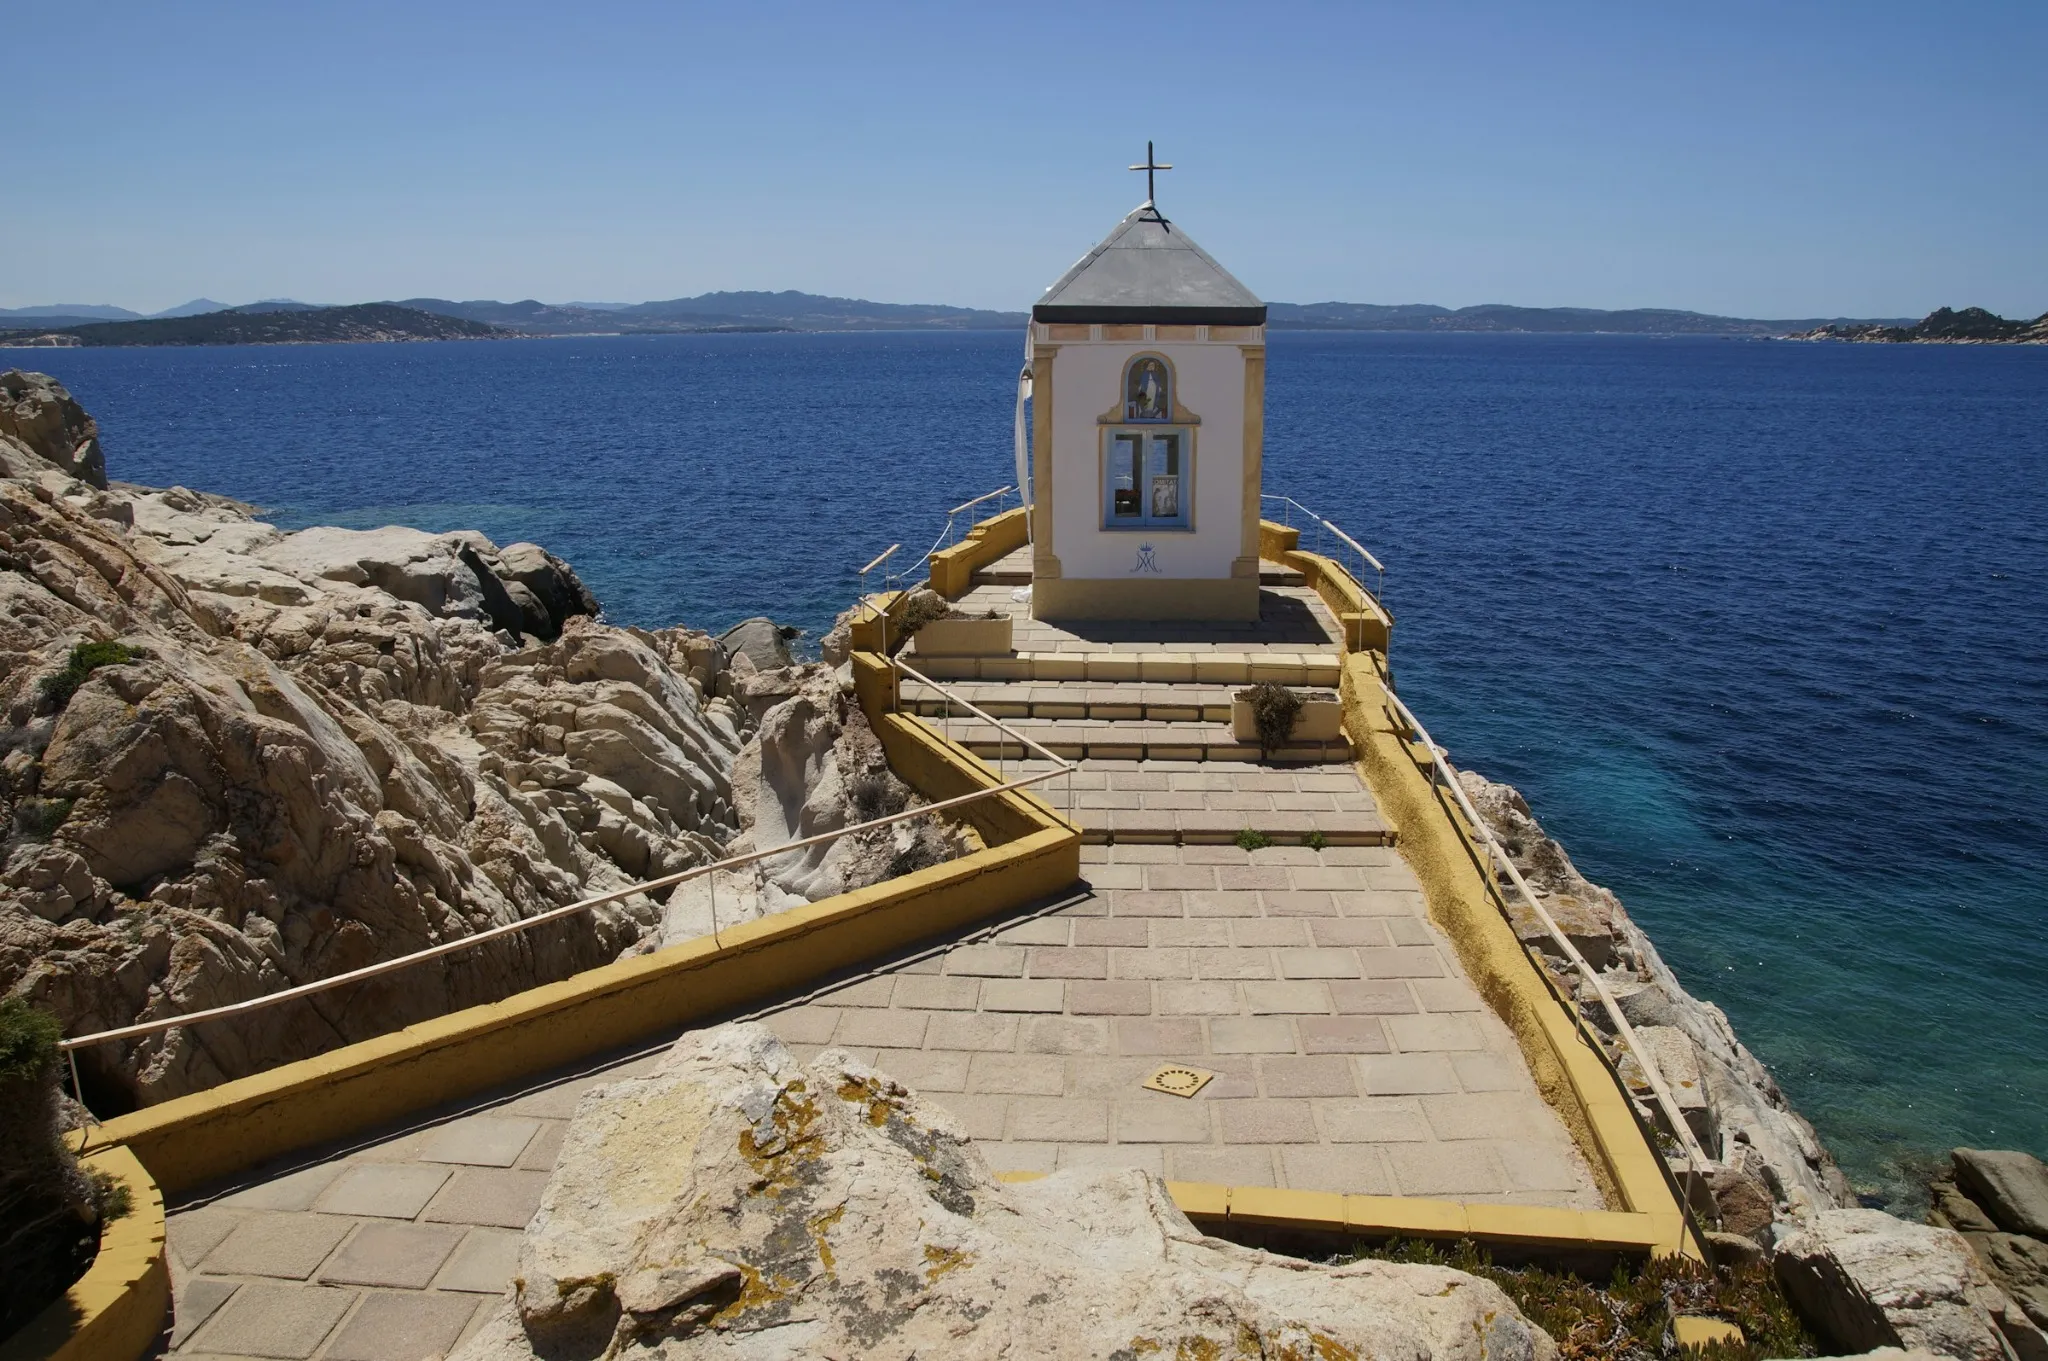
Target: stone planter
{"type": "Point", "coordinates": [1321, 718]}
{"type": "Point", "coordinates": [965, 637]}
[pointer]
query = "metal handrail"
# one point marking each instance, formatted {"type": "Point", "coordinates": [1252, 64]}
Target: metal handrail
{"type": "Point", "coordinates": [945, 537]}
{"type": "Point", "coordinates": [1695, 1156]}
{"type": "Point", "coordinates": [70, 1046]}
{"type": "Point", "coordinates": [1061, 763]}
{"type": "Point", "coordinates": [1349, 542]}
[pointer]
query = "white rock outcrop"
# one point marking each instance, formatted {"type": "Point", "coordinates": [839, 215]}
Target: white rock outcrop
{"type": "Point", "coordinates": [811, 766]}
{"type": "Point", "coordinates": [734, 1203]}
{"type": "Point", "coordinates": [1870, 1280]}
{"type": "Point", "coordinates": [309, 752]}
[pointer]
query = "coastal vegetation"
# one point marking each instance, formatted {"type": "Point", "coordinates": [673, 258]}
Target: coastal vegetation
{"type": "Point", "coordinates": [1628, 1316]}
{"type": "Point", "coordinates": [50, 1211]}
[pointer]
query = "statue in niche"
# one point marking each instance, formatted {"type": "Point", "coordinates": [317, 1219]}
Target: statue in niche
{"type": "Point", "coordinates": [1145, 394]}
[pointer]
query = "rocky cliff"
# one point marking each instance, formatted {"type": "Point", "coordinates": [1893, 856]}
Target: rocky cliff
{"type": "Point", "coordinates": [237, 759]}
{"type": "Point", "coordinates": [1772, 1164]}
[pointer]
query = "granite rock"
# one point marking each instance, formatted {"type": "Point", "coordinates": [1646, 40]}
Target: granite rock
{"type": "Point", "coordinates": [39, 419]}
{"type": "Point", "coordinates": [316, 751]}
{"type": "Point", "coordinates": [761, 640]}
{"type": "Point", "coordinates": [734, 1203]}
{"type": "Point", "coordinates": [1744, 1119]}
{"type": "Point", "coordinates": [2011, 1187]}
{"type": "Point", "coordinates": [1869, 1280]}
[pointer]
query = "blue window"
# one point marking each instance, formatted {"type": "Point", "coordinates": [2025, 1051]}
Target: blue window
{"type": "Point", "coordinates": [1146, 479]}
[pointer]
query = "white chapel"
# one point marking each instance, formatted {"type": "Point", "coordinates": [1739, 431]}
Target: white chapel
{"type": "Point", "coordinates": [1148, 364]}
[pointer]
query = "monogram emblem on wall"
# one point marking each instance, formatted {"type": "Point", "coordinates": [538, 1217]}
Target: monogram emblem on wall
{"type": "Point", "coordinates": [1145, 562]}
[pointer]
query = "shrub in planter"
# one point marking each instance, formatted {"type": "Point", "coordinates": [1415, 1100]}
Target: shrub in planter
{"type": "Point", "coordinates": [49, 1208]}
{"type": "Point", "coordinates": [1275, 716]}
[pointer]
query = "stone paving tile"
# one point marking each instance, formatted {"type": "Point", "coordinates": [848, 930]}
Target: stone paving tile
{"type": "Point", "coordinates": [480, 1140]}
{"type": "Point", "coordinates": [275, 1243]}
{"type": "Point", "coordinates": [925, 1070]}
{"type": "Point", "coordinates": [1433, 1169]}
{"type": "Point", "coordinates": [293, 1191]}
{"type": "Point", "coordinates": [272, 1320]}
{"type": "Point", "coordinates": [1327, 1075]}
{"type": "Point", "coordinates": [1090, 998]}
{"type": "Point", "coordinates": [505, 1198]}
{"type": "Point", "coordinates": [1176, 1035]}
{"type": "Point", "coordinates": [1533, 1165]}
{"type": "Point", "coordinates": [389, 1325]}
{"type": "Point", "coordinates": [1491, 1073]}
{"type": "Point", "coordinates": [483, 1263]}
{"type": "Point", "coordinates": [1233, 1165]}
{"type": "Point", "coordinates": [1023, 994]}
{"type": "Point", "coordinates": [1354, 1169]}
{"type": "Point", "coordinates": [1023, 1074]}
{"type": "Point", "coordinates": [1063, 1035]}
{"type": "Point", "coordinates": [1418, 1034]}
{"type": "Point", "coordinates": [1252, 1035]}
{"type": "Point", "coordinates": [1408, 1074]}
{"type": "Point", "coordinates": [198, 1300]}
{"type": "Point", "coordinates": [1310, 998]}
{"type": "Point", "coordinates": [928, 993]}
{"type": "Point", "coordinates": [1375, 1120]}
{"type": "Point", "coordinates": [1266, 1122]}
{"type": "Point", "coordinates": [1376, 998]}
{"type": "Point", "coordinates": [1342, 1035]}
{"type": "Point", "coordinates": [1150, 1118]}
{"type": "Point", "coordinates": [194, 1233]}
{"type": "Point", "coordinates": [396, 1254]}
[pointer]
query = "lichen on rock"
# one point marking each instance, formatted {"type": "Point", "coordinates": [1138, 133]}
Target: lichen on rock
{"type": "Point", "coordinates": [734, 1202]}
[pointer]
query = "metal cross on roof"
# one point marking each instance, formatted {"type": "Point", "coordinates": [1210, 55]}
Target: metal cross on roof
{"type": "Point", "coordinates": [1151, 164]}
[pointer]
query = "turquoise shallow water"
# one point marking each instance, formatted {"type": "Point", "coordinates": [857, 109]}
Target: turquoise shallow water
{"type": "Point", "coordinates": [1759, 628]}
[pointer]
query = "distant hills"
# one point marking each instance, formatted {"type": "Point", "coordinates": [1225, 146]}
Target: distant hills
{"type": "Point", "coordinates": [266, 324]}
{"type": "Point", "coordinates": [1358, 316]}
{"type": "Point", "coordinates": [286, 320]}
{"type": "Point", "coordinates": [751, 311]}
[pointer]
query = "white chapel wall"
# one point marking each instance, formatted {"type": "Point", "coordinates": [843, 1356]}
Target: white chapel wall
{"type": "Point", "coordinates": [1087, 381]}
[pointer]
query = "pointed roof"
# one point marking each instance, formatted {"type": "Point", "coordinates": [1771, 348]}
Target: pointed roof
{"type": "Point", "coordinates": [1149, 270]}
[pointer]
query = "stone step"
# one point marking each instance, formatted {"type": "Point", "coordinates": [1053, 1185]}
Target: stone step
{"type": "Point", "coordinates": [1012, 573]}
{"type": "Point", "coordinates": [1077, 700]}
{"type": "Point", "coordinates": [1000, 575]}
{"type": "Point", "coordinates": [1085, 739]}
{"type": "Point", "coordinates": [1199, 827]}
{"type": "Point", "coordinates": [1161, 667]}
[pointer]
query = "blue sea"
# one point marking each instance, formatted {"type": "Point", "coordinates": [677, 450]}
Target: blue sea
{"type": "Point", "coordinates": [1760, 628]}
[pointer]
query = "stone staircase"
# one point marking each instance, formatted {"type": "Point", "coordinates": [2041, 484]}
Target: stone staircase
{"type": "Point", "coordinates": [1159, 764]}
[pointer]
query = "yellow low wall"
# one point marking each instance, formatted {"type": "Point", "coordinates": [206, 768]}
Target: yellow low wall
{"type": "Point", "coordinates": [1441, 849]}
{"type": "Point", "coordinates": [1367, 625]}
{"type": "Point", "coordinates": [195, 1139]}
{"type": "Point", "coordinates": [953, 568]}
{"type": "Point", "coordinates": [1536, 1226]}
{"type": "Point", "coordinates": [119, 1306]}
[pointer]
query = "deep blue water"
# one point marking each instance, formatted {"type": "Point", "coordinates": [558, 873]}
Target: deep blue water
{"type": "Point", "coordinates": [1759, 628]}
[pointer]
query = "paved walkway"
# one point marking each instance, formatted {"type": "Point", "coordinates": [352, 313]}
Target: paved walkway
{"type": "Point", "coordinates": [1349, 1054]}
{"type": "Point", "coordinates": [1347, 1051]}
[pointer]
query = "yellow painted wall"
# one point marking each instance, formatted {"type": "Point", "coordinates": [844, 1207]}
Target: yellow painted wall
{"type": "Point", "coordinates": [197, 1138]}
{"type": "Point", "coordinates": [1440, 848]}
{"type": "Point", "coordinates": [953, 568]}
{"type": "Point", "coordinates": [115, 1311]}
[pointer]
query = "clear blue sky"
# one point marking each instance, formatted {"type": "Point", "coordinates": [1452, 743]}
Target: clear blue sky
{"type": "Point", "coordinates": [1772, 160]}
